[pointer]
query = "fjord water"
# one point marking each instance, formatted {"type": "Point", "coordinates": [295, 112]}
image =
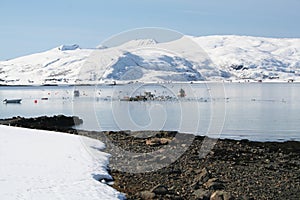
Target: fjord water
{"type": "Point", "coordinates": [254, 111]}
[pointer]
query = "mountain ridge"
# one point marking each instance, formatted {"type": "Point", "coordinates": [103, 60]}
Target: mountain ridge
{"type": "Point", "coordinates": [205, 58]}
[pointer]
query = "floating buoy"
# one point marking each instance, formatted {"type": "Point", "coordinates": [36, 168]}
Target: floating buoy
{"type": "Point", "coordinates": [35, 101]}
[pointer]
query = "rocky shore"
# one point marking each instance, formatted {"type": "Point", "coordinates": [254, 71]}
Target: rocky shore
{"type": "Point", "coordinates": [230, 170]}
{"type": "Point", "coordinates": [55, 123]}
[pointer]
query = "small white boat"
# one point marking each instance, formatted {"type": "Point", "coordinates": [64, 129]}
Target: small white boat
{"type": "Point", "coordinates": [12, 100]}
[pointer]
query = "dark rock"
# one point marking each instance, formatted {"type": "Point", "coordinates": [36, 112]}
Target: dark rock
{"type": "Point", "coordinates": [160, 190]}
{"type": "Point", "coordinates": [202, 177]}
{"type": "Point", "coordinates": [55, 123]}
{"type": "Point", "coordinates": [270, 167]}
{"type": "Point", "coordinates": [237, 67]}
{"type": "Point", "coordinates": [214, 184]}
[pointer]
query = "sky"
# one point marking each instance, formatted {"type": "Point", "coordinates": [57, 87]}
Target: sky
{"type": "Point", "coordinates": [32, 26]}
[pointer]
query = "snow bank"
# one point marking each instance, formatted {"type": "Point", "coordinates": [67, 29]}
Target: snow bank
{"type": "Point", "coordinates": [41, 165]}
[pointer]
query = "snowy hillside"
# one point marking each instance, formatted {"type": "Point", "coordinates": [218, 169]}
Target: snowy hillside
{"type": "Point", "coordinates": [38, 164]}
{"type": "Point", "coordinates": [254, 57]}
{"type": "Point", "coordinates": [209, 58]}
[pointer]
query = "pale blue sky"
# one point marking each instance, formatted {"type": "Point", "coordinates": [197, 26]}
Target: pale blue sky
{"type": "Point", "coordinates": [35, 25]}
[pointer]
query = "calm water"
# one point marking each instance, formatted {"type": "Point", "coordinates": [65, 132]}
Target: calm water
{"type": "Point", "coordinates": [255, 111]}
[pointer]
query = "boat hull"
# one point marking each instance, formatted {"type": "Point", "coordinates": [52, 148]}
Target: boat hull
{"type": "Point", "coordinates": [12, 101]}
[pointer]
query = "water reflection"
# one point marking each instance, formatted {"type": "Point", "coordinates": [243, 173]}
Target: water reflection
{"type": "Point", "coordinates": [254, 111]}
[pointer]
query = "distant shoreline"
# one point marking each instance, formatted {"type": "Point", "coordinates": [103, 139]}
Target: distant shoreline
{"type": "Point", "coordinates": [162, 83]}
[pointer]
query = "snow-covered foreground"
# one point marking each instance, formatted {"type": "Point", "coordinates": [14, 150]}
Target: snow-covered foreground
{"type": "Point", "coordinates": [39, 165]}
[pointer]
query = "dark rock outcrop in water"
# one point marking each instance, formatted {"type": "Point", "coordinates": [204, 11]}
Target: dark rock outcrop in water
{"type": "Point", "coordinates": [232, 169]}
{"type": "Point", "coordinates": [56, 123]}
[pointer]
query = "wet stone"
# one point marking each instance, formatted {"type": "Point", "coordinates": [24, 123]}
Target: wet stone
{"type": "Point", "coordinates": [147, 195]}
{"type": "Point", "coordinates": [214, 184]}
{"type": "Point", "coordinates": [221, 195]}
{"type": "Point", "coordinates": [202, 194]}
{"type": "Point", "coordinates": [160, 190]}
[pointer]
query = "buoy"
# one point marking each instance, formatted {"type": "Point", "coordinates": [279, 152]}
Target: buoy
{"type": "Point", "coordinates": [35, 101]}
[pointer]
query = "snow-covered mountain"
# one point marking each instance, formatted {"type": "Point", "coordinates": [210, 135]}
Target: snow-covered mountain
{"type": "Point", "coordinates": [210, 58]}
{"type": "Point", "coordinates": [254, 57]}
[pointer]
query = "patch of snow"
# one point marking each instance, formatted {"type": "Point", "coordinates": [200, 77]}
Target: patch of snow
{"type": "Point", "coordinates": [39, 165]}
{"type": "Point", "coordinates": [138, 43]}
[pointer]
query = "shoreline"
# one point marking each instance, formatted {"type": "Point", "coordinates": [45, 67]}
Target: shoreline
{"type": "Point", "coordinates": [126, 83]}
{"type": "Point", "coordinates": [233, 169]}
